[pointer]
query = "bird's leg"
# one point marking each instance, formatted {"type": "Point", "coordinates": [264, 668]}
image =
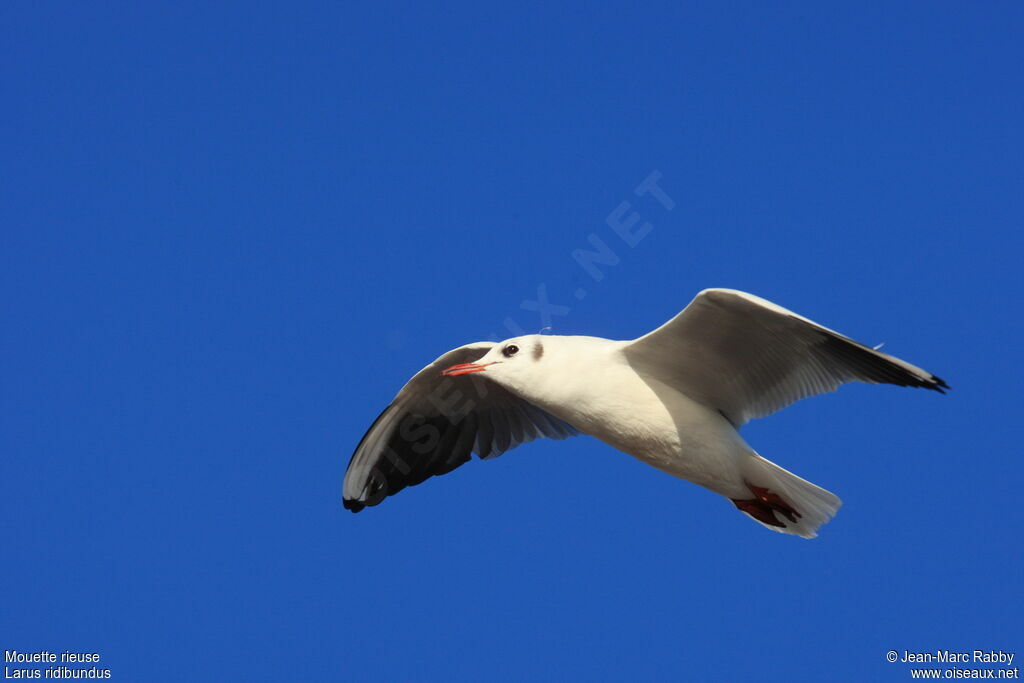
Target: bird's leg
{"type": "Point", "coordinates": [764, 505]}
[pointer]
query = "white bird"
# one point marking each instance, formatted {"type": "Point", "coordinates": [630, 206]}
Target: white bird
{"type": "Point", "coordinates": [674, 398]}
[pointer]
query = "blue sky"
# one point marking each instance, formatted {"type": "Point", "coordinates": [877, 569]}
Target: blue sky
{"type": "Point", "coordinates": [231, 231]}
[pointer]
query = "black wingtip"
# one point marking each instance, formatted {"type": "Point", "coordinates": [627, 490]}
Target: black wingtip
{"type": "Point", "coordinates": [873, 366]}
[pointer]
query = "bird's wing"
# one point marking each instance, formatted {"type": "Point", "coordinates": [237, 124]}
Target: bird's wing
{"type": "Point", "coordinates": [433, 425]}
{"type": "Point", "coordinates": [748, 358]}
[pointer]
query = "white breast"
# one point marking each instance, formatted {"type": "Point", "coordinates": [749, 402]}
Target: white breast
{"type": "Point", "coordinates": [654, 423]}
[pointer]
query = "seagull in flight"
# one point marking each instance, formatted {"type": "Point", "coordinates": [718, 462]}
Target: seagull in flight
{"type": "Point", "coordinates": [674, 398]}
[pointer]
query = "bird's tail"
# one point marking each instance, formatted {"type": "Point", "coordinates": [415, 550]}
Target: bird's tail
{"type": "Point", "coordinates": [782, 501]}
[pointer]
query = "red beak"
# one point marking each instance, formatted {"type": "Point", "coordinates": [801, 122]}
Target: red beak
{"type": "Point", "coordinates": [464, 369]}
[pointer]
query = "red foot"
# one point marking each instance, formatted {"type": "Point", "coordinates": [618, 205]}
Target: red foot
{"type": "Point", "coordinates": [764, 506]}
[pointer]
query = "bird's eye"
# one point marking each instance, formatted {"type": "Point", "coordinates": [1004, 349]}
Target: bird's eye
{"type": "Point", "coordinates": [510, 350]}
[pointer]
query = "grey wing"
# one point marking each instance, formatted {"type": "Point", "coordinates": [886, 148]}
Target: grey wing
{"type": "Point", "coordinates": [749, 358]}
{"type": "Point", "coordinates": [435, 423]}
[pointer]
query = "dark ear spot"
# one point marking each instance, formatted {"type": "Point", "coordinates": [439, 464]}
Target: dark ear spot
{"type": "Point", "coordinates": [538, 351]}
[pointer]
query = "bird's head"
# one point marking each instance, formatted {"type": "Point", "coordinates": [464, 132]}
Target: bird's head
{"type": "Point", "coordinates": [509, 362]}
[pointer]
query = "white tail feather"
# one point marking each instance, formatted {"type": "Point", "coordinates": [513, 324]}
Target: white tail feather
{"type": "Point", "coordinates": [815, 505]}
